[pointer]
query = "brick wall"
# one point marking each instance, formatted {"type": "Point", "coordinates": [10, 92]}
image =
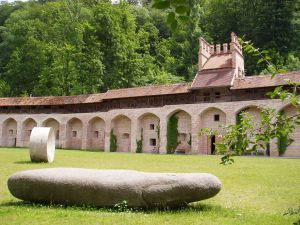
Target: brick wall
{"type": "Point", "coordinates": [128, 121]}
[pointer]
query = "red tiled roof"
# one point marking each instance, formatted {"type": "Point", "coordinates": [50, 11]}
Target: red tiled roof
{"type": "Point", "coordinates": [219, 61]}
{"type": "Point", "coordinates": [180, 88]}
{"type": "Point", "coordinates": [213, 78]}
{"type": "Point", "coordinates": [265, 80]}
{"type": "Point", "coordinates": [92, 98]}
{"type": "Point", "coordinates": [51, 100]}
{"type": "Point", "coordinates": [204, 79]}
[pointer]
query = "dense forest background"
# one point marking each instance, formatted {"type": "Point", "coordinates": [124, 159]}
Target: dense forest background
{"type": "Point", "coordinates": [70, 47]}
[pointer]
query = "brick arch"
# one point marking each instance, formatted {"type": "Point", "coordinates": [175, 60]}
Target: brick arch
{"type": "Point", "coordinates": [27, 126]}
{"type": "Point", "coordinates": [253, 111]}
{"type": "Point", "coordinates": [54, 123]}
{"type": "Point", "coordinates": [245, 107]}
{"type": "Point", "coordinates": [184, 130]}
{"type": "Point", "coordinates": [74, 133]}
{"type": "Point", "coordinates": [148, 128]}
{"type": "Point", "coordinates": [96, 133]}
{"type": "Point", "coordinates": [294, 148]}
{"type": "Point", "coordinates": [282, 108]}
{"type": "Point", "coordinates": [212, 118]}
{"type": "Point", "coordinates": [176, 111]}
{"type": "Point", "coordinates": [211, 112]}
{"type": "Point", "coordinates": [9, 132]}
{"type": "Point", "coordinates": [121, 126]}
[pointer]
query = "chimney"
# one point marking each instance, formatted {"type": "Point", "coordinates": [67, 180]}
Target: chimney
{"type": "Point", "coordinates": [205, 51]}
{"type": "Point", "coordinates": [218, 49]}
{"type": "Point", "coordinates": [237, 56]}
{"type": "Point", "coordinates": [225, 48]}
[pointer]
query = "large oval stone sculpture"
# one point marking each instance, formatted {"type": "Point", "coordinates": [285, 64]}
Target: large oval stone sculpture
{"type": "Point", "coordinates": [76, 186]}
{"type": "Point", "coordinates": [42, 144]}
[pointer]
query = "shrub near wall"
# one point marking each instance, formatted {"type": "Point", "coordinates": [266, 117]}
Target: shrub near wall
{"type": "Point", "coordinates": [113, 141]}
{"type": "Point", "coordinates": [139, 143]}
{"type": "Point", "coordinates": [172, 134]}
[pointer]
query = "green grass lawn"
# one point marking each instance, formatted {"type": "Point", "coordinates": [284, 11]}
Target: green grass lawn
{"type": "Point", "coordinates": [254, 190]}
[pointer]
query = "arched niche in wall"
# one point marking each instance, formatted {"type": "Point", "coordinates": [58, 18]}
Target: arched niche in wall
{"type": "Point", "coordinates": [255, 114]}
{"type": "Point", "coordinates": [74, 133]}
{"type": "Point", "coordinates": [294, 148]}
{"type": "Point", "coordinates": [96, 134]}
{"type": "Point", "coordinates": [121, 126]}
{"type": "Point", "coordinates": [27, 127]}
{"type": "Point", "coordinates": [9, 133]}
{"type": "Point", "coordinates": [51, 122]}
{"type": "Point", "coordinates": [211, 118]}
{"type": "Point", "coordinates": [148, 128]}
{"type": "Point", "coordinates": [184, 132]}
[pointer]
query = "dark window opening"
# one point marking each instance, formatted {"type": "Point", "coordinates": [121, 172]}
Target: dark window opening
{"type": "Point", "coordinates": [96, 134]}
{"type": "Point", "coordinates": [217, 117]}
{"type": "Point", "coordinates": [151, 126]}
{"type": "Point", "coordinates": [57, 135]}
{"type": "Point", "coordinates": [152, 142]}
{"type": "Point", "coordinates": [74, 133]}
{"type": "Point", "coordinates": [217, 95]}
{"type": "Point", "coordinates": [212, 145]}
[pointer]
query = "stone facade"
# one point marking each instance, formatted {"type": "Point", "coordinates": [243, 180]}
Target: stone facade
{"type": "Point", "coordinates": [218, 94]}
{"type": "Point", "coordinates": [78, 130]}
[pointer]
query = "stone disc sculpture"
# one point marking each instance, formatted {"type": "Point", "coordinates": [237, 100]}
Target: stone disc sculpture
{"type": "Point", "coordinates": [102, 188]}
{"type": "Point", "coordinates": [42, 144]}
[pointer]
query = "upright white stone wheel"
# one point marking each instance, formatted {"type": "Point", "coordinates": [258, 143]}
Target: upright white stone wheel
{"type": "Point", "coordinates": [42, 144]}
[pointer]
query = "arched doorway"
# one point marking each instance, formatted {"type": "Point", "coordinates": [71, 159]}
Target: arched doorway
{"type": "Point", "coordinates": [212, 145]}
{"type": "Point", "coordinates": [179, 125]}
{"type": "Point", "coordinates": [255, 114]}
{"type": "Point", "coordinates": [211, 118]}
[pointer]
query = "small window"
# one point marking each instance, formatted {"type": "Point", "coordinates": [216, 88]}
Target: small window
{"type": "Point", "coordinates": [217, 95]}
{"type": "Point", "coordinates": [152, 142]}
{"type": "Point", "coordinates": [29, 132]}
{"type": "Point", "coordinates": [206, 97]}
{"type": "Point", "coordinates": [11, 132]}
{"type": "Point", "coordinates": [151, 126]}
{"type": "Point", "coordinates": [74, 133]}
{"type": "Point", "coordinates": [96, 134]}
{"type": "Point", "coordinates": [57, 134]}
{"type": "Point", "coordinates": [217, 117]}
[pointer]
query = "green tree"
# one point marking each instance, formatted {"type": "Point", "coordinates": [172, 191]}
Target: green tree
{"type": "Point", "coordinates": [269, 24]}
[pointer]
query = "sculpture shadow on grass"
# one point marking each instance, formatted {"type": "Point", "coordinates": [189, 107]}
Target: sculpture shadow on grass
{"type": "Point", "coordinates": [194, 207]}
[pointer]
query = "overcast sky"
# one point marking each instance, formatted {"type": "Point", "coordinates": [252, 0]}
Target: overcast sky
{"type": "Point", "coordinates": [13, 0]}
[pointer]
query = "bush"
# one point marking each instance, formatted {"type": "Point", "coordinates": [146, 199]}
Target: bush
{"type": "Point", "coordinates": [139, 143]}
{"type": "Point", "coordinates": [113, 141]}
{"type": "Point", "coordinates": [172, 134]}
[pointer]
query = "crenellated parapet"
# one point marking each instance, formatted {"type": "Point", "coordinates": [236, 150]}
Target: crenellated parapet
{"type": "Point", "coordinates": [208, 51]}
